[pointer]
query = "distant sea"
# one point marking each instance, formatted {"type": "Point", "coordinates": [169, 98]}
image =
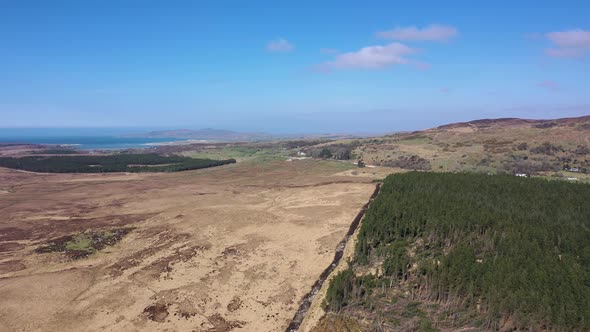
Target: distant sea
{"type": "Point", "coordinates": [92, 143]}
{"type": "Point", "coordinates": [81, 138]}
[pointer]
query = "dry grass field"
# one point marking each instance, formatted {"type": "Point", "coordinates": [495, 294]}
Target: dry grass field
{"type": "Point", "coordinates": [227, 248]}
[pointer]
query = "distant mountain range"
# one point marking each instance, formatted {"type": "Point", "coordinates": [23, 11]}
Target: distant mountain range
{"type": "Point", "coordinates": [208, 134]}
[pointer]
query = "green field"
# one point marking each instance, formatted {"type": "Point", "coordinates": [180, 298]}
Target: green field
{"type": "Point", "coordinates": [240, 153]}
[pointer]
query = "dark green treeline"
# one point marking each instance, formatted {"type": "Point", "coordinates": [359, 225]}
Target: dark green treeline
{"type": "Point", "coordinates": [110, 163]}
{"type": "Point", "coordinates": [500, 247]}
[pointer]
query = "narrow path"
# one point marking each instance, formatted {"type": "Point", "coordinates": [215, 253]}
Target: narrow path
{"type": "Point", "coordinates": [309, 297]}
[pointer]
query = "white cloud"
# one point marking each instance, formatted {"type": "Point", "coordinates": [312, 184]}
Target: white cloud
{"type": "Point", "coordinates": [433, 32]}
{"type": "Point", "coordinates": [569, 43]}
{"type": "Point", "coordinates": [373, 57]}
{"type": "Point", "coordinates": [280, 45]}
{"type": "Point", "coordinates": [395, 53]}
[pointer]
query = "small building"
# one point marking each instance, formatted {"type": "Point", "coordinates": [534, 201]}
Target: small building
{"type": "Point", "coordinates": [522, 175]}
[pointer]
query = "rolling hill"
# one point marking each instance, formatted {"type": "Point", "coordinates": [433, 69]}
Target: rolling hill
{"type": "Point", "coordinates": [532, 147]}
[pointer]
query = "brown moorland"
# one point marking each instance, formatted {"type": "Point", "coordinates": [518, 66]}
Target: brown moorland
{"type": "Point", "coordinates": [232, 247]}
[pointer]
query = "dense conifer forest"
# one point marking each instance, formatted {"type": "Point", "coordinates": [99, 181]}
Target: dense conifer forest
{"type": "Point", "coordinates": [135, 163]}
{"type": "Point", "coordinates": [492, 252]}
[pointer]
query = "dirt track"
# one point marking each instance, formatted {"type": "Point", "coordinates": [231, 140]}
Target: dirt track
{"type": "Point", "coordinates": [229, 248]}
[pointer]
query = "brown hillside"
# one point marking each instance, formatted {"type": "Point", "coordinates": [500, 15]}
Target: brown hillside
{"type": "Point", "coordinates": [507, 145]}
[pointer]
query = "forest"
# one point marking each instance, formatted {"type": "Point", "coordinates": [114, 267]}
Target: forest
{"type": "Point", "coordinates": [135, 163]}
{"type": "Point", "coordinates": [338, 151]}
{"type": "Point", "coordinates": [498, 252]}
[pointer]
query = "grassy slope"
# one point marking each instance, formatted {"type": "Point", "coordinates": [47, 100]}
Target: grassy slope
{"type": "Point", "coordinates": [240, 153]}
{"type": "Point", "coordinates": [489, 147]}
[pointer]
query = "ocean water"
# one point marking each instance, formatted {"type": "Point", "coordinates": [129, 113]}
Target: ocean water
{"type": "Point", "coordinates": [81, 138]}
{"type": "Point", "coordinates": [92, 142]}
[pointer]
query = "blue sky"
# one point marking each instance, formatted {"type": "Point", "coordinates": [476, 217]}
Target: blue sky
{"type": "Point", "coordinates": [297, 66]}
